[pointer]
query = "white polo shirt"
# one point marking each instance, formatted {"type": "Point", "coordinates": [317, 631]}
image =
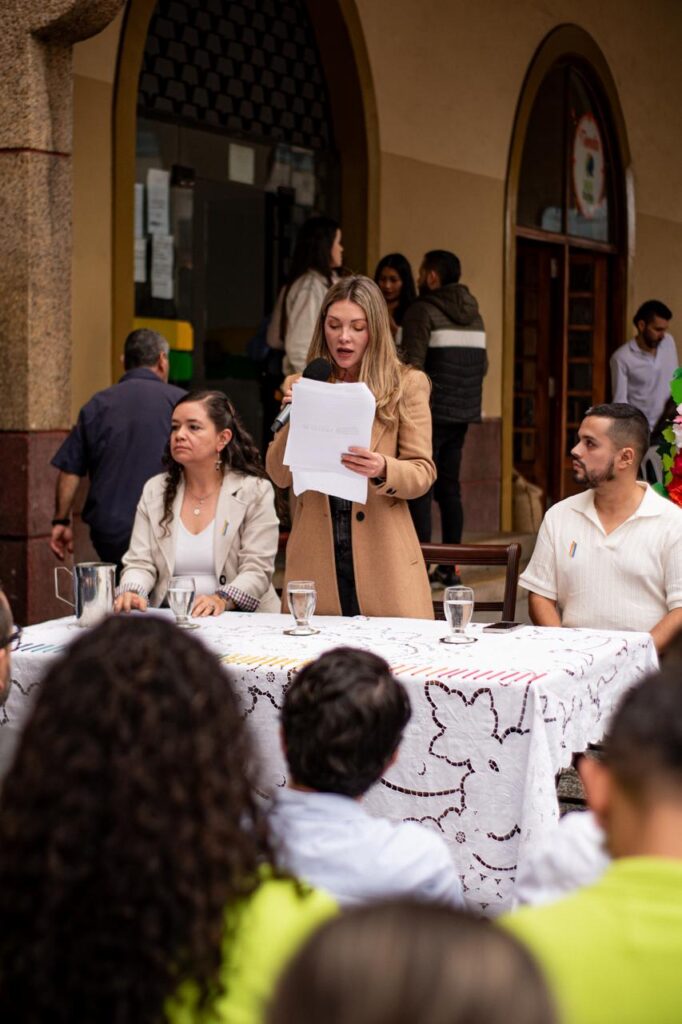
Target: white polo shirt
{"type": "Point", "coordinates": [643, 378]}
{"type": "Point", "coordinates": [628, 579]}
{"type": "Point", "coordinates": [333, 843]}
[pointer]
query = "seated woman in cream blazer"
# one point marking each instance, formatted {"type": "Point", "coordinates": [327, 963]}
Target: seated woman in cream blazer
{"type": "Point", "coordinates": [210, 516]}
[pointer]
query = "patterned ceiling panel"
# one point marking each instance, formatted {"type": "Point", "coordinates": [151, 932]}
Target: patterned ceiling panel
{"type": "Point", "coordinates": [250, 69]}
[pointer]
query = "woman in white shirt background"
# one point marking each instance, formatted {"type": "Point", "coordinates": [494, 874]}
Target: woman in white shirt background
{"type": "Point", "coordinates": [317, 255]}
{"type": "Point", "coordinates": [211, 516]}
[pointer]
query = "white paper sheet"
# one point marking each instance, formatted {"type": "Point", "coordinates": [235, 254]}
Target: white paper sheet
{"type": "Point", "coordinates": [139, 210]}
{"type": "Point", "coordinates": [242, 164]}
{"type": "Point", "coordinates": [158, 201]}
{"type": "Point", "coordinates": [326, 419]}
{"type": "Point", "coordinates": [140, 260]}
{"type": "Point", "coordinates": [162, 266]}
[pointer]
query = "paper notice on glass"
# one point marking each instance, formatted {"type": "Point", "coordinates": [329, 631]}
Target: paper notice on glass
{"type": "Point", "coordinates": [139, 210]}
{"type": "Point", "coordinates": [158, 202]}
{"type": "Point", "coordinates": [242, 164]}
{"type": "Point", "coordinates": [326, 419]}
{"type": "Point", "coordinates": [140, 260]}
{"type": "Point", "coordinates": [162, 266]}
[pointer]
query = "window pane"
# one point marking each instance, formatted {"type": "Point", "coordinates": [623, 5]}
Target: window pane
{"type": "Point", "coordinates": [590, 172]}
{"type": "Point", "coordinates": [540, 200]}
{"type": "Point", "coordinates": [580, 376]}
{"type": "Point", "coordinates": [579, 312]}
{"type": "Point", "coordinates": [579, 344]}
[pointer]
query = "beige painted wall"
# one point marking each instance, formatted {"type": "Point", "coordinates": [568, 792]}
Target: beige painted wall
{"type": "Point", "coordinates": [447, 77]}
{"type": "Point", "coordinates": [94, 70]}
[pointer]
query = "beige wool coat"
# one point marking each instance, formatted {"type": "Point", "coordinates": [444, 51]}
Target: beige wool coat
{"type": "Point", "coordinates": [245, 539]}
{"type": "Point", "coordinates": [390, 574]}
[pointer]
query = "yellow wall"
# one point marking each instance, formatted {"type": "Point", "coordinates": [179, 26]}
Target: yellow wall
{"type": "Point", "coordinates": [447, 77]}
{"type": "Point", "coordinates": [94, 69]}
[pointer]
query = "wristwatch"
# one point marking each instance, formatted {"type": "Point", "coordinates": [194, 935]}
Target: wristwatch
{"type": "Point", "coordinates": [62, 522]}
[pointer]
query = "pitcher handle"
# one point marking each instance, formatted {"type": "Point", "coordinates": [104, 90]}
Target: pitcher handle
{"type": "Point", "coordinates": [62, 568]}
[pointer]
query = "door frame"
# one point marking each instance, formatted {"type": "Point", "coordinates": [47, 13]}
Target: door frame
{"type": "Point", "coordinates": [566, 41]}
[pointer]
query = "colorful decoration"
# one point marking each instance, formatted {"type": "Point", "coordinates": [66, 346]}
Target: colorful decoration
{"type": "Point", "coordinates": [670, 448]}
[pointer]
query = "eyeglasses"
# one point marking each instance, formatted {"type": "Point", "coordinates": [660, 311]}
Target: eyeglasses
{"type": "Point", "coordinates": [13, 641]}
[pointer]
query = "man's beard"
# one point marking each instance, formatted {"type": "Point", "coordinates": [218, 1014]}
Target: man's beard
{"type": "Point", "coordinates": [594, 479]}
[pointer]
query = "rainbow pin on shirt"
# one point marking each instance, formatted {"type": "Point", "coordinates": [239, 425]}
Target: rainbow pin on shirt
{"type": "Point", "coordinates": [572, 549]}
{"type": "Point", "coordinates": [225, 526]}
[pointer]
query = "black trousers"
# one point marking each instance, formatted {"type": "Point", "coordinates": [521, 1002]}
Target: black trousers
{"type": "Point", "coordinates": [110, 553]}
{"type": "Point", "coordinates": [448, 441]}
{"type": "Point", "coordinates": [343, 555]}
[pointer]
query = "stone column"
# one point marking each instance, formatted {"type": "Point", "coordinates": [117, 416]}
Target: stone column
{"type": "Point", "coordinates": [36, 39]}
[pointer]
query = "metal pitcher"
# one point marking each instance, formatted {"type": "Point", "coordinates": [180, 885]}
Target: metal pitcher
{"type": "Point", "coordinates": [93, 590]}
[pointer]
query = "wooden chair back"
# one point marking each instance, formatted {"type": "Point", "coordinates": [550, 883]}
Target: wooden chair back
{"type": "Point", "coordinates": [507, 555]}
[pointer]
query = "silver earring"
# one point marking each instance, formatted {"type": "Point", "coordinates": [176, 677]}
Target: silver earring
{"type": "Point", "coordinates": [218, 464]}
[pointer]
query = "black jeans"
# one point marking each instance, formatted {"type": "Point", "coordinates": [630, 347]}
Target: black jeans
{"type": "Point", "coordinates": [448, 441]}
{"type": "Point", "coordinates": [341, 511]}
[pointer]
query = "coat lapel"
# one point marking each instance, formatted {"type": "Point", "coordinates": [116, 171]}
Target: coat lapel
{"type": "Point", "coordinates": [168, 542]}
{"type": "Point", "coordinates": [378, 429]}
{"type": "Point", "coordinates": [228, 518]}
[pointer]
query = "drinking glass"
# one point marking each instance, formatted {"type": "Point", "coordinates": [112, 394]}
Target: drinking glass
{"type": "Point", "coordinates": [458, 603]}
{"type": "Point", "coordinates": [181, 591]}
{"type": "Point", "coordinates": [302, 598]}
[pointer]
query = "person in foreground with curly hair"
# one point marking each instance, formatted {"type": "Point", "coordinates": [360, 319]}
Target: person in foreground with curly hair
{"type": "Point", "coordinates": [211, 516]}
{"type": "Point", "coordinates": [403, 962]}
{"type": "Point", "coordinates": [134, 878]}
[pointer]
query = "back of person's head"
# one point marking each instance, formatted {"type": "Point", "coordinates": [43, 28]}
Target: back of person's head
{"type": "Point", "coordinates": [127, 826]}
{"type": "Point", "coordinates": [313, 248]}
{"type": "Point", "coordinates": [5, 616]}
{"type": "Point", "coordinates": [143, 348]}
{"type": "Point", "coordinates": [342, 721]}
{"type": "Point", "coordinates": [650, 309]}
{"type": "Point", "coordinates": [445, 264]}
{"type": "Point", "coordinates": [629, 428]}
{"type": "Point", "coordinates": [404, 962]}
{"type": "Point", "coordinates": [643, 746]}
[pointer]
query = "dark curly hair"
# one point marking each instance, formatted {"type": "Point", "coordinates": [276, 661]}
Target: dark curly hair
{"type": "Point", "coordinates": [241, 454]}
{"type": "Point", "coordinates": [342, 720]}
{"type": "Point", "coordinates": [127, 827]}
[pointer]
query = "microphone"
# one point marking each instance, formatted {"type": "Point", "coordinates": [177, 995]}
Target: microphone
{"type": "Point", "coordinates": [319, 369]}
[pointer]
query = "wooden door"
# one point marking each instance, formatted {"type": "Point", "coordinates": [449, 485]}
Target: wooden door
{"type": "Point", "coordinates": [538, 309]}
{"type": "Point", "coordinates": [585, 351]}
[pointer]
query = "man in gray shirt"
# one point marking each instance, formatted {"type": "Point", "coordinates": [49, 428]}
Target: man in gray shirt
{"type": "Point", "coordinates": [642, 368]}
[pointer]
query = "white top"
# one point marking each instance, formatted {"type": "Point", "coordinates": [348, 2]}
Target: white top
{"type": "Point", "coordinates": [572, 856]}
{"type": "Point", "coordinates": [194, 557]}
{"type": "Point", "coordinates": [304, 303]}
{"type": "Point", "coordinates": [628, 579]}
{"type": "Point", "coordinates": [643, 378]}
{"type": "Point", "coordinates": [333, 843]}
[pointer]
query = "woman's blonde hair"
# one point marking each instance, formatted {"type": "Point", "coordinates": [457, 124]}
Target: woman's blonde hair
{"type": "Point", "coordinates": [380, 369]}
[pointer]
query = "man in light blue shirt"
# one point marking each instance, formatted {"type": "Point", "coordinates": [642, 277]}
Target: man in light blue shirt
{"type": "Point", "coordinates": [641, 369]}
{"type": "Point", "coordinates": [342, 722]}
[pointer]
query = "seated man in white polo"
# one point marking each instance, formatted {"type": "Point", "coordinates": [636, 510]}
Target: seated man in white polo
{"type": "Point", "coordinates": [342, 722]}
{"type": "Point", "coordinates": [611, 557]}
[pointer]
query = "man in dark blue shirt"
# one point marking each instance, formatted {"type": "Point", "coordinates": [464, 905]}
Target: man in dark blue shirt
{"type": "Point", "coordinates": [118, 442]}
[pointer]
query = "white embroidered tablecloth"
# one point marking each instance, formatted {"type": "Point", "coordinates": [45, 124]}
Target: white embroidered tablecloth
{"type": "Point", "coordinates": [492, 722]}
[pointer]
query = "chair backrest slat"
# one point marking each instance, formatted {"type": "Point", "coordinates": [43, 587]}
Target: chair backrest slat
{"type": "Point", "coordinates": [507, 555]}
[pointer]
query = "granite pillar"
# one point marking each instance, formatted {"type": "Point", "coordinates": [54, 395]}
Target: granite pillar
{"type": "Point", "coordinates": [36, 39]}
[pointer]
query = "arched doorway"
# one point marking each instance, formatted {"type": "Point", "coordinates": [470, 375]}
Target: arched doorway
{"type": "Point", "coordinates": [250, 117]}
{"type": "Point", "coordinates": [567, 255]}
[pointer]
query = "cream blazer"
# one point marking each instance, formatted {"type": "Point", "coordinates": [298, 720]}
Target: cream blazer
{"type": "Point", "coordinates": [245, 539]}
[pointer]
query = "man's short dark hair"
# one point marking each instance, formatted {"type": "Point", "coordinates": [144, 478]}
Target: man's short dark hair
{"type": "Point", "coordinates": [143, 348]}
{"type": "Point", "coordinates": [651, 308]}
{"type": "Point", "coordinates": [445, 264]}
{"type": "Point", "coordinates": [343, 719]}
{"type": "Point", "coordinates": [643, 747]}
{"type": "Point", "coordinates": [630, 427]}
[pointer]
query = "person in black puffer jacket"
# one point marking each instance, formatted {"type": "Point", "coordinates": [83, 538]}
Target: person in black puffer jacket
{"type": "Point", "coordinates": [443, 334]}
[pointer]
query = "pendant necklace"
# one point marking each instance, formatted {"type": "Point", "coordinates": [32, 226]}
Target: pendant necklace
{"type": "Point", "coordinates": [198, 507]}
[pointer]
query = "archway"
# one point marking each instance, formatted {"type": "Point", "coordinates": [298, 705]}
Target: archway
{"type": "Point", "coordinates": [342, 54]}
{"type": "Point", "coordinates": [568, 241]}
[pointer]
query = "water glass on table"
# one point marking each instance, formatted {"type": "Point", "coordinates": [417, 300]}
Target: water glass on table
{"type": "Point", "coordinates": [181, 591]}
{"type": "Point", "coordinates": [302, 598]}
{"type": "Point", "coordinates": [458, 604]}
